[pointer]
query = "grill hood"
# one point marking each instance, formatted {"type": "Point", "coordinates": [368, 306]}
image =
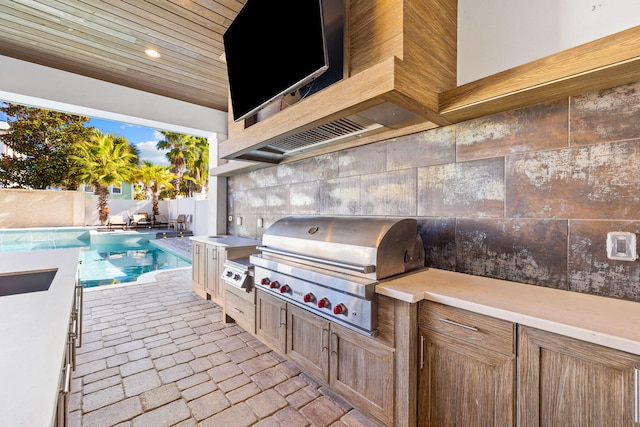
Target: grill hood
{"type": "Point", "coordinates": [376, 247]}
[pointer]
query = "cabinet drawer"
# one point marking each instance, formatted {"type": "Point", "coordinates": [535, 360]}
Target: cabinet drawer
{"type": "Point", "coordinates": [241, 310]}
{"type": "Point", "coordinates": [241, 293]}
{"type": "Point", "coordinates": [474, 328]}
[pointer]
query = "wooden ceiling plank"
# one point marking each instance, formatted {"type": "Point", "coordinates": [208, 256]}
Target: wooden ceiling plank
{"type": "Point", "coordinates": [228, 9]}
{"type": "Point", "coordinates": [169, 37]}
{"type": "Point", "coordinates": [91, 55]}
{"type": "Point", "coordinates": [101, 39]}
{"type": "Point", "coordinates": [194, 12]}
{"type": "Point", "coordinates": [81, 42]}
{"type": "Point", "coordinates": [142, 14]}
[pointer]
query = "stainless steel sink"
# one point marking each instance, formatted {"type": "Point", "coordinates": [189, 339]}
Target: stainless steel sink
{"type": "Point", "coordinates": [26, 281]}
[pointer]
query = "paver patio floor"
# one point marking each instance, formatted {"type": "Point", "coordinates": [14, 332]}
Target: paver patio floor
{"type": "Point", "coordinates": [155, 354]}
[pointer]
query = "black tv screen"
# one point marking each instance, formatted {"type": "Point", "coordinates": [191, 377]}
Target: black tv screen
{"type": "Point", "coordinates": [273, 47]}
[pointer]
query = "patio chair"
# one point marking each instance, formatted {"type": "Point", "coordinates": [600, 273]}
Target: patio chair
{"type": "Point", "coordinates": [140, 220]}
{"type": "Point", "coordinates": [161, 221]}
{"type": "Point", "coordinates": [116, 221]}
{"type": "Point", "coordinates": [181, 222]}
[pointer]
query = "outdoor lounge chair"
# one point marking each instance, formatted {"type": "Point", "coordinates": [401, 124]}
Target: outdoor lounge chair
{"type": "Point", "coordinates": [161, 221]}
{"type": "Point", "coordinates": [181, 222]}
{"type": "Point", "coordinates": [116, 221]}
{"type": "Point", "coordinates": [140, 220]}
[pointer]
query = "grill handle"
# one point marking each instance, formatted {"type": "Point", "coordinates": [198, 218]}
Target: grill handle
{"type": "Point", "coordinates": [353, 267]}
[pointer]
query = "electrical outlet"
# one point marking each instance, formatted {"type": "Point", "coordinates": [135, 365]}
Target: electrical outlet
{"type": "Point", "coordinates": [230, 219]}
{"type": "Point", "coordinates": [621, 246]}
{"type": "Point", "coordinates": [260, 223]}
{"type": "Point", "coordinates": [239, 220]}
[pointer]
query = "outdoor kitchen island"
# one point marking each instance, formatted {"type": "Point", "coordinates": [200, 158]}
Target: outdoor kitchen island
{"type": "Point", "coordinates": [577, 363]}
{"type": "Point", "coordinates": [438, 348]}
{"type": "Point", "coordinates": [38, 328]}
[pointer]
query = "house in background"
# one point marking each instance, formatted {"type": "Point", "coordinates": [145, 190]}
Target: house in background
{"type": "Point", "coordinates": [4, 129]}
{"type": "Point", "coordinates": [120, 191]}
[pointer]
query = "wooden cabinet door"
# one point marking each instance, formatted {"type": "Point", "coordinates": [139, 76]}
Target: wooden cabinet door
{"type": "Point", "coordinates": [460, 384]}
{"type": "Point", "coordinates": [567, 382]}
{"type": "Point", "coordinates": [271, 321]}
{"type": "Point", "coordinates": [198, 267]}
{"type": "Point", "coordinates": [213, 287]}
{"type": "Point", "coordinates": [362, 370]}
{"type": "Point", "coordinates": [308, 342]}
{"type": "Point", "coordinates": [467, 368]}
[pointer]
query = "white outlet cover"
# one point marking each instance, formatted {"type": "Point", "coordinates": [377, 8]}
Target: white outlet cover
{"type": "Point", "coordinates": [621, 246]}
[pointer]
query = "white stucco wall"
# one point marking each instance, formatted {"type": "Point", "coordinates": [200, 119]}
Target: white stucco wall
{"type": "Point", "coordinates": [41, 208]}
{"type": "Point", "coordinates": [495, 35]}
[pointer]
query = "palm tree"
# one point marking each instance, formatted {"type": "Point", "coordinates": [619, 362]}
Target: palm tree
{"type": "Point", "coordinates": [198, 165]}
{"type": "Point", "coordinates": [154, 179]}
{"type": "Point", "coordinates": [103, 160]}
{"type": "Point", "coordinates": [178, 146]}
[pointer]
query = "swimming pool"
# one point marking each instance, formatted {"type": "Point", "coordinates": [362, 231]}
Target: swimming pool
{"type": "Point", "coordinates": [106, 258]}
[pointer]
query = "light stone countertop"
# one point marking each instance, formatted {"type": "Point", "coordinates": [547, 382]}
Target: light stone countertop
{"type": "Point", "coordinates": [609, 322]}
{"type": "Point", "coordinates": [227, 240]}
{"type": "Point", "coordinates": [33, 337]}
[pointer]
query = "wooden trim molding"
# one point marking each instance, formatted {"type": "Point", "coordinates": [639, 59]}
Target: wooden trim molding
{"type": "Point", "coordinates": [600, 64]}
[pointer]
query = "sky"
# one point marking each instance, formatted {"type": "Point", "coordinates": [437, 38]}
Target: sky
{"type": "Point", "coordinates": [144, 138]}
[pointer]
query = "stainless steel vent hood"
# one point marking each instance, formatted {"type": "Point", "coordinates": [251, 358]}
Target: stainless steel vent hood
{"type": "Point", "coordinates": [379, 118]}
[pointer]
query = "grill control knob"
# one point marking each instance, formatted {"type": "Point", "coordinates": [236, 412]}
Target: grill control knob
{"type": "Point", "coordinates": [340, 309]}
{"type": "Point", "coordinates": [229, 273]}
{"type": "Point", "coordinates": [236, 277]}
{"type": "Point", "coordinates": [274, 284]}
{"type": "Point", "coordinates": [323, 303]}
{"type": "Point", "coordinates": [265, 281]}
{"type": "Point", "coordinates": [308, 297]}
{"type": "Point", "coordinates": [285, 289]}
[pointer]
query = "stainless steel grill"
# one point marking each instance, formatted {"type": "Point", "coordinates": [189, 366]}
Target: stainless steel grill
{"type": "Point", "coordinates": [331, 265]}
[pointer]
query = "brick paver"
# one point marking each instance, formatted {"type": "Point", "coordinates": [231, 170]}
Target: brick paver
{"type": "Point", "coordinates": [155, 354]}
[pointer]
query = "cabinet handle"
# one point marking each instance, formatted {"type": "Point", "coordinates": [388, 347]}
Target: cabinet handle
{"type": "Point", "coordinates": [283, 323]}
{"type": "Point", "coordinates": [334, 343]}
{"type": "Point", "coordinates": [238, 310]}
{"type": "Point", "coordinates": [422, 339]}
{"type": "Point", "coordinates": [461, 325]}
{"type": "Point", "coordinates": [67, 379]}
{"type": "Point", "coordinates": [79, 312]}
{"type": "Point", "coordinates": [636, 396]}
{"type": "Point", "coordinates": [324, 344]}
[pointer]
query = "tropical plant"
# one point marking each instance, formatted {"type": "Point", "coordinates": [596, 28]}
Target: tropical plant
{"type": "Point", "coordinates": [41, 143]}
{"type": "Point", "coordinates": [154, 179]}
{"type": "Point", "coordinates": [198, 166]}
{"type": "Point", "coordinates": [102, 160]}
{"type": "Point", "coordinates": [177, 145]}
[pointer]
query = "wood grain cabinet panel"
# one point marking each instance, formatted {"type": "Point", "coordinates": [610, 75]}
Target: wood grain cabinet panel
{"type": "Point", "coordinates": [198, 268]}
{"type": "Point", "coordinates": [241, 307]}
{"type": "Point", "coordinates": [467, 368]}
{"type": "Point", "coordinates": [362, 370]}
{"type": "Point", "coordinates": [308, 342]}
{"type": "Point", "coordinates": [567, 382]}
{"type": "Point", "coordinates": [271, 321]}
{"type": "Point", "coordinates": [212, 274]}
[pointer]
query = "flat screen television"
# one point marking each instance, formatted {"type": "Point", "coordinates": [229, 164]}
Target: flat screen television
{"type": "Point", "coordinates": [273, 48]}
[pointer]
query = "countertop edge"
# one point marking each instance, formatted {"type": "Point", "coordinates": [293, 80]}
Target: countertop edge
{"type": "Point", "coordinates": [226, 240]}
{"type": "Point", "coordinates": [35, 324]}
{"type": "Point", "coordinates": [600, 320]}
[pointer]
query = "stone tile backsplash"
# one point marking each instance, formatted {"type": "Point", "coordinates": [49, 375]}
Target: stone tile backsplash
{"type": "Point", "coordinates": [527, 195]}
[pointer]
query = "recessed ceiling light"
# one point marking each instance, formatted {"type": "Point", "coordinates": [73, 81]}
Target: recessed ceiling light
{"type": "Point", "coordinates": [152, 53]}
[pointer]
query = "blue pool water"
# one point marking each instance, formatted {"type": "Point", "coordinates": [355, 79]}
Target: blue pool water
{"type": "Point", "coordinates": [107, 258]}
